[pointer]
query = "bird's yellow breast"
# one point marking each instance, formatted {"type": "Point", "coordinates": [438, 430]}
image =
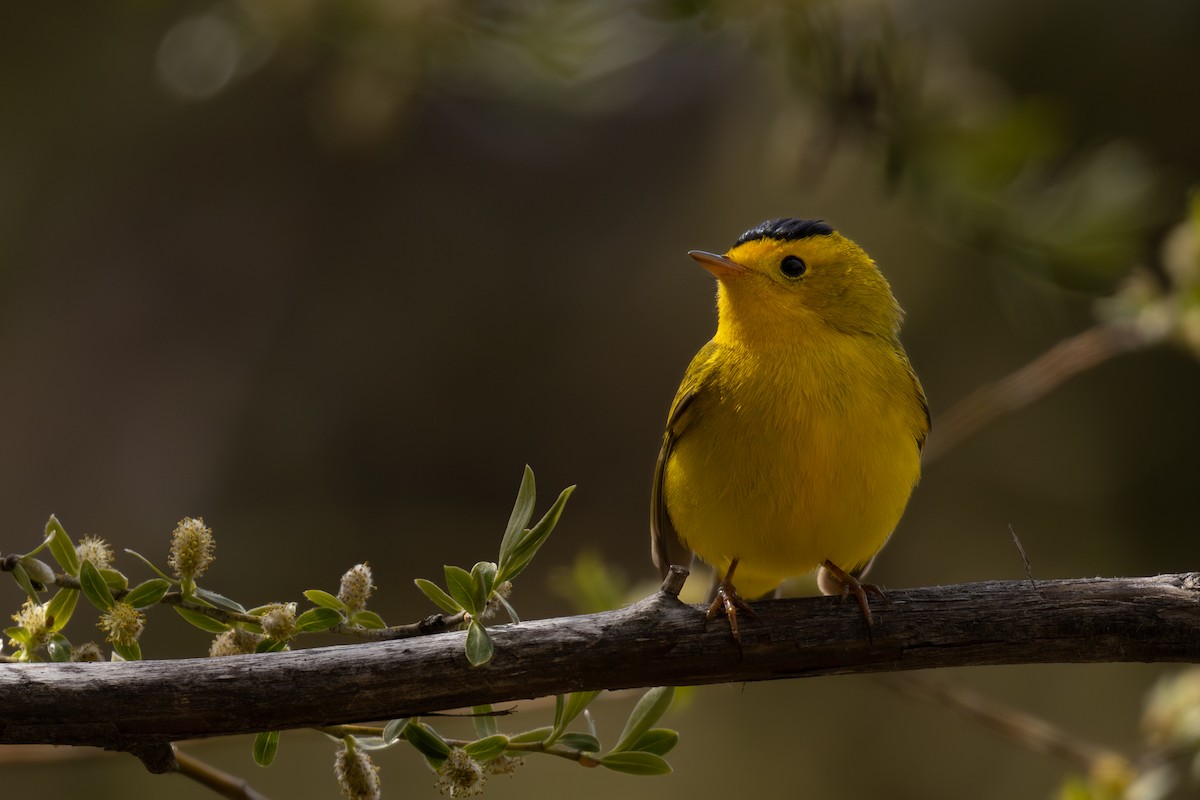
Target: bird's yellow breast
{"type": "Point", "coordinates": [796, 455]}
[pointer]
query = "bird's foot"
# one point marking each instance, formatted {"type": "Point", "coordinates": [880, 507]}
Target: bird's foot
{"type": "Point", "coordinates": [731, 602]}
{"type": "Point", "coordinates": [845, 584]}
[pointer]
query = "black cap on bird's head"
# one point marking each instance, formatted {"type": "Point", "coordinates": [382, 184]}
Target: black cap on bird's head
{"type": "Point", "coordinates": [787, 229]}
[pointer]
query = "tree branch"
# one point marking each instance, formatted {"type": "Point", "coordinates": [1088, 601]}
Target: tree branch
{"type": "Point", "coordinates": [140, 706]}
{"type": "Point", "coordinates": [434, 623]}
{"type": "Point", "coordinates": [1030, 383]}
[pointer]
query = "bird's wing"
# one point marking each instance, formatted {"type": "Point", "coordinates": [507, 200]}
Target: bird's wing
{"type": "Point", "coordinates": [666, 547]}
{"type": "Point", "coordinates": [919, 391]}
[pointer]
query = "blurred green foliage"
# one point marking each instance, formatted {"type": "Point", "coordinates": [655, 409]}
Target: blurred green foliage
{"type": "Point", "coordinates": [1005, 176]}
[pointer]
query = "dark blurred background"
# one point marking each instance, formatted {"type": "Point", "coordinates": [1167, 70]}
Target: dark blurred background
{"type": "Point", "coordinates": [329, 275]}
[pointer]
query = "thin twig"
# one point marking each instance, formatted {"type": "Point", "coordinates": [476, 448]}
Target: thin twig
{"type": "Point", "coordinates": [222, 783]}
{"type": "Point", "coordinates": [1031, 382]}
{"type": "Point", "coordinates": [434, 623]}
{"type": "Point", "coordinates": [568, 753]}
{"type": "Point", "coordinates": [1031, 732]}
{"type": "Point", "coordinates": [1024, 556]}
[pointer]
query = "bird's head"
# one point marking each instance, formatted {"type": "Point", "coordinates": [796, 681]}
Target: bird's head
{"type": "Point", "coordinates": [786, 274]}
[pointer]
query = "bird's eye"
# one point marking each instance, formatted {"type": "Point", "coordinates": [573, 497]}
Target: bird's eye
{"type": "Point", "coordinates": [792, 266]}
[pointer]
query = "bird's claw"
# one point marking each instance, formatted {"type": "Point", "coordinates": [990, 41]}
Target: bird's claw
{"type": "Point", "coordinates": [850, 585]}
{"type": "Point", "coordinates": [728, 599]}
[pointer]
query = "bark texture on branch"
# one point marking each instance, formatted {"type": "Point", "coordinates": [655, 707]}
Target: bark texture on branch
{"type": "Point", "coordinates": [142, 706]}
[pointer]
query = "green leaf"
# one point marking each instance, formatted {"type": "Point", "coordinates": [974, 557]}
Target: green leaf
{"type": "Point", "coordinates": [479, 644]}
{"type": "Point", "coordinates": [266, 745]}
{"type": "Point", "coordinates": [458, 581]}
{"type": "Point", "coordinates": [61, 547]}
{"type": "Point", "coordinates": [483, 578]}
{"type": "Point", "coordinates": [575, 704]}
{"type": "Point", "coordinates": [560, 701]}
{"type": "Point", "coordinates": [566, 709]}
{"type": "Point", "coordinates": [659, 741]}
{"type": "Point", "coordinates": [535, 735]}
{"type": "Point", "coordinates": [115, 581]}
{"type": "Point", "coordinates": [439, 597]}
{"type": "Point", "coordinates": [318, 619]}
{"type": "Point", "coordinates": [60, 608]}
{"type": "Point", "coordinates": [129, 652]}
{"type": "Point", "coordinates": [508, 609]}
{"type": "Point", "coordinates": [220, 601]}
{"type": "Point", "coordinates": [59, 648]}
{"type": "Point", "coordinates": [427, 741]}
{"type": "Point", "coordinates": [521, 514]}
{"type": "Point", "coordinates": [394, 729]}
{"type": "Point", "coordinates": [371, 743]}
{"type": "Point", "coordinates": [201, 621]}
{"type": "Point", "coordinates": [22, 578]}
{"type": "Point", "coordinates": [367, 619]}
{"type": "Point", "coordinates": [149, 564]}
{"type": "Point", "coordinates": [636, 763]}
{"type": "Point", "coordinates": [325, 600]}
{"type": "Point", "coordinates": [38, 570]}
{"type": "Point", "coordinates": [582, 742]}
{"type": "Point", "coordinates": [94, 587]}
{"type": "Point", "coordinates": [19, 635]}
{"type": "Point", "coordinates": [148, 593]}
{"type": "Point", "coordinates": [487, 748]}
{"type": "Point", "coordinates": [525, 546]}
{"type": "Point", "coordinates": [269, 646]}
{"type": "Point", "coordinates": [652, 705]}
{"type": "Point", "coordinates": [484, 721]}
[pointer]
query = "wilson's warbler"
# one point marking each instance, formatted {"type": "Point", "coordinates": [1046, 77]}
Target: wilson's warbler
{"type": "Point", "coordinates": [795, 438]}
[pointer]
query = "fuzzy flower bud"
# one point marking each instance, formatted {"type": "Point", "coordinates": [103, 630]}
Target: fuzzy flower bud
{"type": "Point", "coordinates": [96, 550]}
{"type": "Point", "coordinates": [500, 593]}
{"type": "Point", "coordinates": [88, 651]}
{"type": "Point", "coordinates": [32, 619]}
{"type": "Point", "coordinates": [123, 623]}
{"type": "Point", "coordinates": [192, 546]}
{"type": "Point", "coordinates": [356, 587]}
{"type": "Point", "coordinates": [279, 621]}
{"type": "Point", "coordinates": [503, 765]}
{"type": "Point", "coordinates": [357, 775]}
{"type": "Point", "coordinates": [460, 775]}
{"type": "Point", "coordinates": [234, 642]}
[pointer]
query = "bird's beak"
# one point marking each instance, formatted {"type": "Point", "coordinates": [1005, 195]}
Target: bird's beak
{"type": "Point", "coordinates": [719, 266]}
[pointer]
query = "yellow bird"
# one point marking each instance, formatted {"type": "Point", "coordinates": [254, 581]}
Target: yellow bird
{"type": "Point", "coordinates": [795, 438]}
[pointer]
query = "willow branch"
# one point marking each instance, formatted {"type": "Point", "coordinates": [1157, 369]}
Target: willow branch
{"type": "Point", "coordinates": [434, 623]}
{"type": "Point", "coordinates": [224, 784]}
{"type": "Point", "coordinates": [1031, 382]}
{"type": "Point", "coordinates": [142, 706]}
